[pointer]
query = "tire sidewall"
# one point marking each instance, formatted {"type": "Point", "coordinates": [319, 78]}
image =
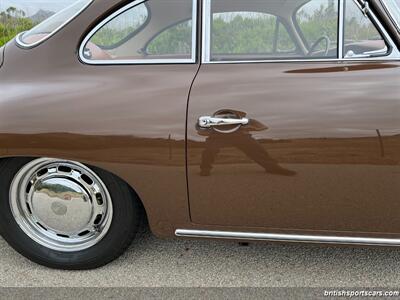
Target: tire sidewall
{"type": "Point", "coordinates": [125, 221]}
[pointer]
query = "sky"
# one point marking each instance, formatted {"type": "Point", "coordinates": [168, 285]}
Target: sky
{"type": "Point", "coordinates": [32, 6]}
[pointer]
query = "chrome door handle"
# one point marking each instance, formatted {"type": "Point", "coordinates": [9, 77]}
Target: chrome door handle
{"type": "Point", "coordinates": [208, 122]}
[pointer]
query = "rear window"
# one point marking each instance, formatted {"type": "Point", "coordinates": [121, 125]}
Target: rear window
{"type": "Point", "coordinates": [49, 27]}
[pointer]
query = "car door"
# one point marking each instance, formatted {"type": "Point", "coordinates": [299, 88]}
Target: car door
{"type": "Point", "coordinates": [294, 119]}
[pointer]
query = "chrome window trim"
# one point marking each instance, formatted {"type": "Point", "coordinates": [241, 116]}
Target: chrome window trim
{"type": "Point", "coordinates": [282, 237]}
{"type": "Point", "coordinates": [393, 19]}
{"type": "Point", "coordinates": [139, 61]}
{"type": "Point", "coordinates": [206, 31]}
{"type": "Point", "coordinates": [393, 55]}
{"type": "Point", "coordinates": [23, 45]}
{"type": "Point", "coordinates": [340, 33]}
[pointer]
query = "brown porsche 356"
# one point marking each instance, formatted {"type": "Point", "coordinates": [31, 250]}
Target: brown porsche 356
{"type": "Point", "coordinates": [274, 120]}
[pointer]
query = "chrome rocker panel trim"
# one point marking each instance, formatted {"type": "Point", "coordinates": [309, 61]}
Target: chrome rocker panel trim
{"type": "Point", "coordinates": [280, 237]}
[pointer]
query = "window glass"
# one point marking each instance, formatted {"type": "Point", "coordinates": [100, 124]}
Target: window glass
{"type": "Point", "coordinates": [361, 38]}
{"type": "Point", "coordinates": [120, 28]}
{"type": "Point", "coordinates": [285, 43]}
{"type": "Point", "coordinates": [155, 29]}
{"type": "Point", "coordinates": [318, 22]}
{"type": "Point", "coordinates": [174, 40]}
{"type": "Point", "coordinates": [54, 23]}
{"type": "Point", "coordinates": [249, 30]}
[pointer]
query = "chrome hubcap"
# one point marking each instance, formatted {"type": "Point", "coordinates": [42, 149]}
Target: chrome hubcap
{"type": "Point", "coordinates": [62, 205]}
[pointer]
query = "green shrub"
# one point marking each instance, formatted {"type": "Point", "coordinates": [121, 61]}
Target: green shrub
{"type": "Point", "coordinates": [12, 22]}
{"type": "Point", "coordinates": [240, 35]}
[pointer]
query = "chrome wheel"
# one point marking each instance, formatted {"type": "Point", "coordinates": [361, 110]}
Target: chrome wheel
{"type": "Point", "coordinates": [62, 205]}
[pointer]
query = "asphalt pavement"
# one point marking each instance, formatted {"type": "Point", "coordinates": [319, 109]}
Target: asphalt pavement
{"type": "Point", "coordinates": [153, 262]}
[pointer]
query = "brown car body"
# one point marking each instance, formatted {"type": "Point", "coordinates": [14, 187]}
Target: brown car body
{"type": "Point", "coordinates": [321, 159]}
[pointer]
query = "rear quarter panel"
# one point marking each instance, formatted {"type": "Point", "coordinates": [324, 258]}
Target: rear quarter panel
{"type": "Point", "coordinates": [129, 120]}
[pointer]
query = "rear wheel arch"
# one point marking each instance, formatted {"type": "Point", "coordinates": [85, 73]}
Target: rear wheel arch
{"type": "Point", "coordinates": [33, 242]}
{"type": "Point", "coordinates": [134, 192]}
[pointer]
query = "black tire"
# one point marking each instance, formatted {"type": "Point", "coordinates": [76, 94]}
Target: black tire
{"type": "Point", "coordinates": [126, 220]}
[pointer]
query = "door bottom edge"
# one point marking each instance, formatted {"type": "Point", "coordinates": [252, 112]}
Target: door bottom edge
{"type": "Point", "coordinates": [279, 237]}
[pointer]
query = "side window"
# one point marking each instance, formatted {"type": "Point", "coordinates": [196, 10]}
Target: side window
{"type": "Point", "coordinates": [121, 28]}
{"type": "Point", "coordinates": [361, 38]}
{"type": "Point", "coordinates": [318, 22]}
{"type": "Point", "coordinates": [146, 32]}
{"type": "Point", "coordinates": [173, 40]}
{"type": "Point", "coordinates": [248, 30]}
{"type": "Point", "coordinates": [285, 44]}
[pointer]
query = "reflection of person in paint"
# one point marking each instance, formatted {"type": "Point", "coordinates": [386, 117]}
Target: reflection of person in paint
{"type": "Point", "coordinates": [244, 141]}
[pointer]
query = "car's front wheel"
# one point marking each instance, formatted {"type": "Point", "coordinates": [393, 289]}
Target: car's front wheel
{"type": "Point", "coordinates": [64, 214]}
